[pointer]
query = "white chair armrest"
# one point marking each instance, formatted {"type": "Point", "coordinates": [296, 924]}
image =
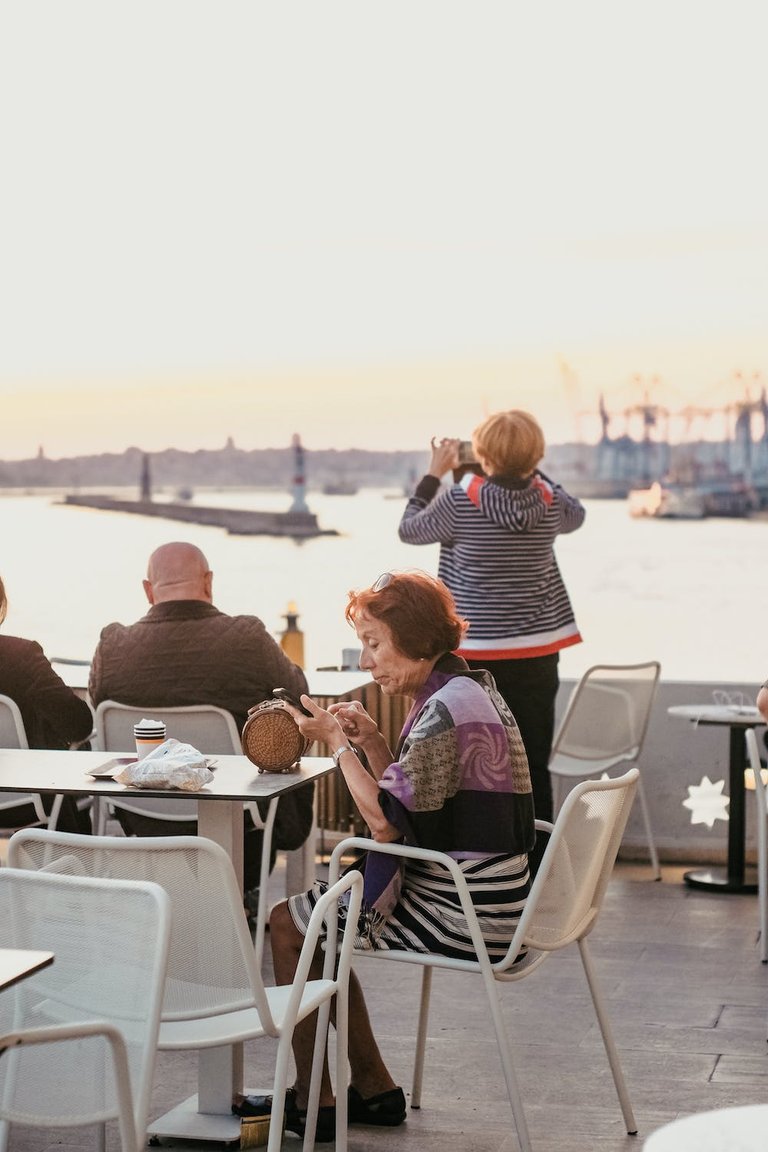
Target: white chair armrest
{"type": "Point", "coordinates": [407, 851]}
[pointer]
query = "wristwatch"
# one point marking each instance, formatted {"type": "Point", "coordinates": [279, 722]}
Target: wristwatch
{"type": "Point", "coordinates": [338, 753]}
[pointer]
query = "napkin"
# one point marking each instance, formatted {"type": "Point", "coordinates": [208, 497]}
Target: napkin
{"type": "Point", "coordinates": [171, 765]}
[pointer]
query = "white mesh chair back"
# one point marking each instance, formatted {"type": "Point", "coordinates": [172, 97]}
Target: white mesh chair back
{"type": "Point", "coordinates": [212, 964]}
{"type": "Point", "coordinates": [604, 727]}
{"type": "Point", "coordinates": [101, 995]}
{"type": "Point", "coordinates": [204, 726]}
{"type": "Point", "coordinates": [608, 712]}
{"type": "Point", "coordinates": [761, 817]}
{"type": "Point", "coordinates": [570, 884]}
{"type": "Point", "coordinates": [13, 735]}
{"type": "Point", "coordinates": [208, 728]}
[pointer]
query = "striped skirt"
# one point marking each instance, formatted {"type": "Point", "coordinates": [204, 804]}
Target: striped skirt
{"type": "Point", "coordinates": [428, 915]}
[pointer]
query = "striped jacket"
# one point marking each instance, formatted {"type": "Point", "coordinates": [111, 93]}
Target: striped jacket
{"type": "Point", "coordinates": [497, 557]}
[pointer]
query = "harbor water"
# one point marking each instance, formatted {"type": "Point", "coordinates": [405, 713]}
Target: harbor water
{"type": "Point", "coordinates": [688, 593]}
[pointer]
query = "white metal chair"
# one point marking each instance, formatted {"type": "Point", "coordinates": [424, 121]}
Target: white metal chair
{"type": "Point", "coordinates": [210, 730]}
{"type": "Point", "coordinates": [214, 994]}
{"type": "Point", "coordinates": [207, 728]}
{"type": "Point", "coordinates": [761, 802]}
{"type": "Point", "coordinates": [604, 727]}
{"type": "Point", "coordinates": [13, 735]}
{"type": "Point", "coordinates": [78, 1038]}
{"type": "Point", "coordinates": [563, 907]}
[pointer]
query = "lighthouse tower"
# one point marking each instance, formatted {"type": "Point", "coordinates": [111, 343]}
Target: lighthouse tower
{"type": "Point", "coordinates": [299, 486]}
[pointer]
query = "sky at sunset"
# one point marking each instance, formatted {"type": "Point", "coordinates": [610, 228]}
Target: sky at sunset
{"type": "Point", "coordinates": [370, 223]}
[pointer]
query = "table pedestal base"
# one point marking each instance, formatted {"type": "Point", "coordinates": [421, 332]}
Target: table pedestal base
{"type": "Point", "coordinates": [184, 1122]}
{"type": "Point", "coordinates": [716, 879]}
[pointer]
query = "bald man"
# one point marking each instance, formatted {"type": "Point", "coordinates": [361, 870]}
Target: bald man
{"type": "Point", "coordinates": [185, 651]}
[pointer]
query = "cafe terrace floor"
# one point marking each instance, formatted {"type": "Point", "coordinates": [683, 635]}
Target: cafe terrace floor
{"type": "Point", "coordinates": [688, 998]}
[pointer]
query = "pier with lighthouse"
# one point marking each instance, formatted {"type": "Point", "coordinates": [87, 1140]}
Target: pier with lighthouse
{"type": "Point", "coordinates": [297, 521]}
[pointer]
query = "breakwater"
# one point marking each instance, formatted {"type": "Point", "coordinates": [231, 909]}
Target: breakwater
{"type": "Point", "coordinates": [236, 521]}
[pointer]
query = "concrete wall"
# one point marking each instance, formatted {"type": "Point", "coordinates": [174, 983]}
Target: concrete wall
{"type": "Point", "coordinates": [678, 753]}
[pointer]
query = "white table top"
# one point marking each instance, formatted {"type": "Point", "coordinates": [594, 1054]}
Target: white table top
{"type": "Point", "coordinates": [234, 777]}
{"type": "Point", "coordinates": [320, 683]}
{"type": "Point", "coordinates": [16, 963]}
{"type": "Point", "coordinates": [734, 715]}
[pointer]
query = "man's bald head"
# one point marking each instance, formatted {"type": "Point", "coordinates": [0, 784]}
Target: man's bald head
{"type": "Point", "coordinates": [178, 571]}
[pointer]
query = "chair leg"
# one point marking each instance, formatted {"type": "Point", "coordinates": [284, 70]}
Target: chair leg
{"type": "Point", "coordinates": [557, 787]}
{"type": "Point", "coordinates": [319, 1054]}
{"type": "Point", "coordinates": [762, 882]}
{"type": "Point", "coordinates": [648, 833]}
{"type": "Point", "coordinates": [607, 1034]}
{"type": "Point", "coordinates": [53, 816]}
{"type": "Point", "coordinates": [505, 1052]}
{"type": "Point", "coordinates": [279, 1086]}
{"type": "Point", "coordinates": [507, 1064]}
{"type": "Point", "coordinates": [99, 812]}
{"type": "Point", "coordinates": [342, 1069]}
{"type": "Point", "coordinates": [421, 1037]}
{"type": "Point", "coordinates": [261, 908]}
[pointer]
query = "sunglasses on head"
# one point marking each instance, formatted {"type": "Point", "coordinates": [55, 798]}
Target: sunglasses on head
{"type": "Point", "coordinates": [382, 582]}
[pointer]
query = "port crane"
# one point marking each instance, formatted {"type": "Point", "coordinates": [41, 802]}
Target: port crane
{"type": "Point", "coordinates": [651, 415]}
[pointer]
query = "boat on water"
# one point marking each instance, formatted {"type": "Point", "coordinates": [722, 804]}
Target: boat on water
{"type": "Point", "coordinates": [694, 501]}
{"type": "Point", "coordinates": [340, 488]}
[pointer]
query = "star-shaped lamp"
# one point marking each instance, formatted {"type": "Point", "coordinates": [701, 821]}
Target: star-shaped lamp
{"type": "Point", "coordinates": [706, 802]}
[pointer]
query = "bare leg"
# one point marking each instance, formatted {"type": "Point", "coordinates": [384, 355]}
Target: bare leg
{"type": "Point", "coordinates": [369, 1072]}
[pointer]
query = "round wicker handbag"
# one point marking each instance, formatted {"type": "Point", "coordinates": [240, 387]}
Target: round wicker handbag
{"type": "Point", "coordinates": [271, 738]}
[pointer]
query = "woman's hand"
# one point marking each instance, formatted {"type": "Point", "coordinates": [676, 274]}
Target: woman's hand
{"type": "Point", "coordinates": [321, 725]}
{"type": "Point", "coordinates": [356, 724]}
{"type": "Point", "coordinates": [445, 456]}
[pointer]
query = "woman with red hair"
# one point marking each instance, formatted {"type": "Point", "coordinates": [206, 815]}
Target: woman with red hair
{"type": "Point", "coordinates": [457, 782]}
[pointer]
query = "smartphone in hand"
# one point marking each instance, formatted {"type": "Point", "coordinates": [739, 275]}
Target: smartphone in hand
{"type": "Point", "coordinates": [284, 694]}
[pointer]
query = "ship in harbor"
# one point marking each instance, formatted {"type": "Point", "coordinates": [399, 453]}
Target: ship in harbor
{"type": "Point", "coordinates": [689, 479]}
{"type": "Point", "coordinates": [678, 500]}
{"type": "Point", "coordinates": [340, 487]}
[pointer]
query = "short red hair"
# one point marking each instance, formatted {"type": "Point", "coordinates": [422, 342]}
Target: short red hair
{"type": "Point", "coordinates": [417, 608]}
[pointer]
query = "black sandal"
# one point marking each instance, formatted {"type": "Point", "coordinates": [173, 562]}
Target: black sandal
{"type": "Point", "coordinates": [295, 1118]}
{"type": "Point", "coordinates": [386, 1110]}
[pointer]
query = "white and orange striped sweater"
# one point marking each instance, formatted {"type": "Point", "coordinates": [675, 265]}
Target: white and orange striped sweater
{"type": "Point", "coordinates": [497, 556]}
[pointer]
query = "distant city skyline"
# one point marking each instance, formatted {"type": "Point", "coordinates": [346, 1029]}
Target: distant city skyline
{"type": "Point", "coordinates": [374, 226]}
{"type": "Point", "coordinates": [265, 411]}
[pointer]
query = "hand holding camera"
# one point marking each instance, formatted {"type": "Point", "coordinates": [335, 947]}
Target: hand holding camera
{"type": "Point", "coordinates": [445, 456]}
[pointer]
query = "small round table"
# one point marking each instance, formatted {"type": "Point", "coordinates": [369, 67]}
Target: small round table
{"type": "Point", "coordinates": [737, 1129]}
{"type": "Point", "coordinates": [735, 877]}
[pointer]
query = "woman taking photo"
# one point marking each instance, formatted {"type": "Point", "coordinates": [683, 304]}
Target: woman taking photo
{"type": "Point", "coordinates": [497, 536]}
